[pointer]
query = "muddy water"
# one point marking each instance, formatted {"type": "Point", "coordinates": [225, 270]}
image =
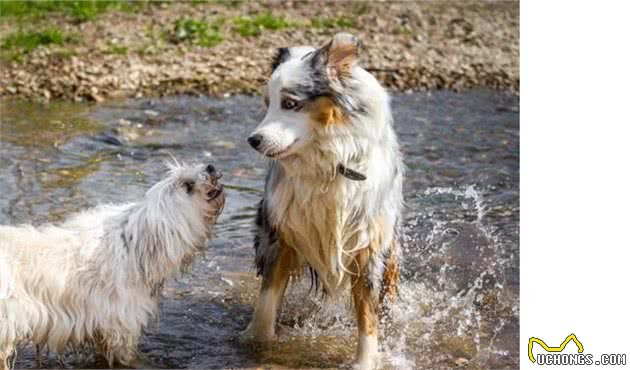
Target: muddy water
{"type": "Point", "coordinates": [459, 299]}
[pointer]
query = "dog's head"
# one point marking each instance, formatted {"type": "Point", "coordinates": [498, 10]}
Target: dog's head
{"type": "Point", "coordinates": [189, 199]}
{"type": "Point", "coordinates": [309, 92]}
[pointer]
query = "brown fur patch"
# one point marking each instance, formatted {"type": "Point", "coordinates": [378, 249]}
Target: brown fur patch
{"type": "Point", "coordinates": [323, 111]}
{"type": "Point", "coordinates": [365, 307]}
{"type": "Point", "coordinates": [285, 265]}
{"type": "Point", "coordinates": [391, 275]}
{"type": "Point", "coordinates": [341, 57]}
{"type": "Point", "coordinates": [361, 260]}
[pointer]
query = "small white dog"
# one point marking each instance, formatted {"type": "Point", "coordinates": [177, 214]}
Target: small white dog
{"type": "Point", "coordinates": [96, 279]}
{"type": "Point", "coordinates": [333, 193]}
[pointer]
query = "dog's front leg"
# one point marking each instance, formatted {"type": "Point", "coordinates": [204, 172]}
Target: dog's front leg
{"type": "Point", "coordinates": [389, 285]}
{"type": "Point", "coordinates": [262, 326]}
{"type": "Point", "coordinates": [365, 307]}
{"type": "Point", "coordinates": [6, 354]}
{"type": "Point", "coordinates": [120, 347]}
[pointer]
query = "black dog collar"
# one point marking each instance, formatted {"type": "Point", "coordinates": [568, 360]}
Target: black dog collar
{"type": "Point", "coordinates": [350, 174]}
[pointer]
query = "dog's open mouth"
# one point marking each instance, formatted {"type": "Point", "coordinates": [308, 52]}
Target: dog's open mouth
{"type": "Point", "coordinates": [277, 155]}
{"type": "Point", "coordinates": [281, 153]}
{"type": "Point", "coordinates": [215, 192]}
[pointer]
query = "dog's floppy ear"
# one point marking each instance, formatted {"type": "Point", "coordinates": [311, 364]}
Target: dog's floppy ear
{"type": "Point", "coordinates": [280, 56]}
{"type": "Point", "coordinates": [338, 55]}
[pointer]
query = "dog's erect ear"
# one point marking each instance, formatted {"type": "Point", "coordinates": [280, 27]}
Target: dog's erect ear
{"type": "Point", "coordinates": [338, 56]}
{"type": "Point", "coordinates": [280, 56]}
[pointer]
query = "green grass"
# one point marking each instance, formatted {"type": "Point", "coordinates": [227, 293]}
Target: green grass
{"type": "Point", "coordinates": [231, 3]}
{"type": "Point", "coordinates": [226, 3]}
{"type": "Point", "coordinates": [253, 26]}
{"type": "Point", "coordinates": [17, 44]}
{"type": "Point", "coordinates": [79, 11]}
{"type": "Point", "coordinates": [117, 50]}
{"type": "Point", "coordinates": [334, 22]}
{"type": "Point", "coordinates": [197, 32]}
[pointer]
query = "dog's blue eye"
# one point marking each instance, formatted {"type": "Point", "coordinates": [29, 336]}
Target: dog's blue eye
{"type": "Point", "coordinates": [288, 103]}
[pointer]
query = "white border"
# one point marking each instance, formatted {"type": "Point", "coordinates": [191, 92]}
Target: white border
{"type": "Point", "coordinates": [575, 182]}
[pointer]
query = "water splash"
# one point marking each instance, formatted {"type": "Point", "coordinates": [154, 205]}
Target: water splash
{"type": "Point", "coordinates": [453, 304]}
{"type": "Point", "coordinates": [458, 302]}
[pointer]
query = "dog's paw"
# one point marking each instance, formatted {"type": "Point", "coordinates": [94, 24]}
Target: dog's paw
{"type": "Point", "coordinates": [366, 361]}
{"type": "Point", "coordinates": [366, 364]}
{"type": "Point", "coordinates": [253, 334]}
{"type": "Point", "coordinates": [142, 362]}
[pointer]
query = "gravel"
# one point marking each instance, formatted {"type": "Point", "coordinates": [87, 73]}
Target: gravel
{"type": "Point", "coordinates": [407, 45]}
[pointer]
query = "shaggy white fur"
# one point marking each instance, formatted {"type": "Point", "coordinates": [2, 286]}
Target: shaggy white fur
{"type": "Point", "coordinates": [95, 280]}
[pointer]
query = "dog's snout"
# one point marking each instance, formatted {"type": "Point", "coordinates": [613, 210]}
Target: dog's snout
{"type": "Point", "coordinates": [213, 171]}
{"type": "Point", "coordinates": [255, 140]}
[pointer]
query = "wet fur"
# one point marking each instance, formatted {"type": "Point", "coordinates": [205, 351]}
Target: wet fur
{"type": "Point", "coordinates": [342, 231]}
{"type": "Point", "coordinates": [95, 280]}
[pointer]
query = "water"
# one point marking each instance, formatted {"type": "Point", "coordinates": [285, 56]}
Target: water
{"type": "Point", "coordinates": [459, 296]}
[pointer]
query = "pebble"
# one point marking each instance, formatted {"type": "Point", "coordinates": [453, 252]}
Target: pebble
{"type": "Point", "coordinates": [461, 361]}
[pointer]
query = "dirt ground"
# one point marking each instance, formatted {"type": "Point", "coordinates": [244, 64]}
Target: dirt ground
{"type": "Point", "coordinates": [407, 45]}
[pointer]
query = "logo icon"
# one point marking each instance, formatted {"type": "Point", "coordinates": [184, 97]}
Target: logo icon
{"type": "Point", "coordinates": [544, 345]}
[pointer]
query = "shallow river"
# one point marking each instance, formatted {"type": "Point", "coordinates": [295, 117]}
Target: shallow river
{"type": "Point", "coordinates": [459, 297]}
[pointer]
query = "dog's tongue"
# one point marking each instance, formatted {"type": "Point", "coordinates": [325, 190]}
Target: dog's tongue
{"type": "Point", "coordinates": [350, 174]}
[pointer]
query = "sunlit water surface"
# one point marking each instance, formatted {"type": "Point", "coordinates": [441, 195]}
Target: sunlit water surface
{"type": "Point", "coordinates": [459, 296]}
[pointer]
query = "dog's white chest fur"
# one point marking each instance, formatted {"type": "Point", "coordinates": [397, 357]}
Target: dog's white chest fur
{"type": "Point", "coordinates": [321, 224]}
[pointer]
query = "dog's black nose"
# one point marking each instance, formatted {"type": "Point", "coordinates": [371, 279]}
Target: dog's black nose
{"type": "Point", "coordinates": [213, 171]}
{"type": "Point", "coordinates": [255, 140]}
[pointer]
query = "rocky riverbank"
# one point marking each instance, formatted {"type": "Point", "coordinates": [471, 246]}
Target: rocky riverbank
{"type": "Point", "coordinates": [218, 48]}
